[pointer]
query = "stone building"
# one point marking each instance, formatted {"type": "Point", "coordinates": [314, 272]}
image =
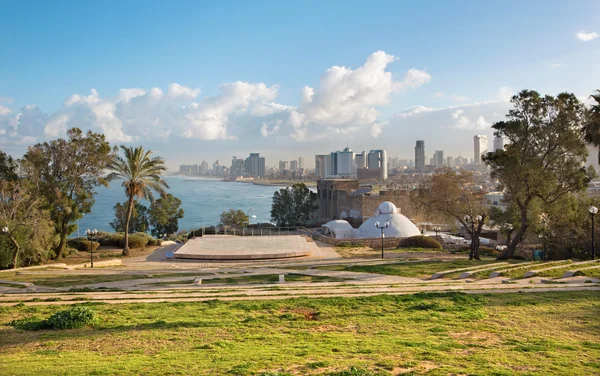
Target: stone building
{"type": "Point", "coordinates": [345, 199]}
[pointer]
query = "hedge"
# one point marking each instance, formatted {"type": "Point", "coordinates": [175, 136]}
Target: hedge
{"type": "Point", "coordinates": [419, 241]}
{"type": "Point", "coordinates": [83, 244]}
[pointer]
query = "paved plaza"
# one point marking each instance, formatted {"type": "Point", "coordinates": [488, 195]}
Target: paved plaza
{"type": "Point", "coordinates": [228, 247]}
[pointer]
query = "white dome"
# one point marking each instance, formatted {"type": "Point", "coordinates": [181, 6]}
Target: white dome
{"type": "Point", "coordinates": [400, 226]}
{"type": "Point", "coordinates": [338, 229]}
{"type": "Point", "coordinates": [386, 207]}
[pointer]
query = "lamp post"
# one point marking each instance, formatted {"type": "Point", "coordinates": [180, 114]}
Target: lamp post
{"type": "Point", "coordinates": [593, 211]}
{"type": "Point", "coordinates": [382, 227]}
{"type": "Point", "coordinates": [91, 235]}
{"type": "Point", "coordinates": [436, 229]}
{"type": "Point", "coordinates": [472, 221]}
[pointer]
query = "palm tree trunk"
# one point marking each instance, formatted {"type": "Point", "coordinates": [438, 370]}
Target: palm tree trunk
{"type": "Point", "coordinates": [126, 241]}
{"type": "Point", "coordinates": [17, 249]}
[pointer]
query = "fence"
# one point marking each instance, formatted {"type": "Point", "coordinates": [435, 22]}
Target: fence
{"type": "Point", "coordinates": [359, 242]}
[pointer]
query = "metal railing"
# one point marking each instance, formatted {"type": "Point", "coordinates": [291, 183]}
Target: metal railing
{"type": "Point", "coordinates": [250, 231]}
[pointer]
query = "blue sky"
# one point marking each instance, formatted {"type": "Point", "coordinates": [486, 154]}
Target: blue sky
{"type": "Point", "coordinates": [465, 55]}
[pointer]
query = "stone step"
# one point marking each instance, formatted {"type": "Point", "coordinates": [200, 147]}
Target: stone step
{"type": "Point", "coordinates": [443, 273]}
{"type": "Point", "coordinates": [518, 266]}
{"type": "Point", "coordinates": [571, 273]}
{"type": "Point", "coordinates": [469, 273]}
{"type": "Point", "coordinates": [533, 273]}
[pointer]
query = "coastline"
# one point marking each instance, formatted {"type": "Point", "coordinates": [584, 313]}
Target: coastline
{"type": "Point", "coordinates": [274, 183]}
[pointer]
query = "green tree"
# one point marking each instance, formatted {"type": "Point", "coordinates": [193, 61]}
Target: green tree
{"type": "Point", "coordinates": [591, 127]}
{"type": "Point", "coordinates": [26, 229]}
{"type": "Point", "coordinates": [293, 206]}
{"type": "Point", "coordinates": [165, 214]}
{"type": "Point", "coordinates": [64, 173]}
{"type": "Point", "coordinates": [452, 196]}
{"type": "Point", "coordinates": [141, 175]}
{"type": "Point", "coordinates": [8, 167]}
{"type": "Point", "coordinates": [234, 218]}
{"type": "Point", "coordinates": [543, 161]}
{"type": "Point", "coordinates": [139, 217]}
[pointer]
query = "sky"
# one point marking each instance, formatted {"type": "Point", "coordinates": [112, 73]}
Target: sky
{"type": "Point", "coordinates": [200, 80]}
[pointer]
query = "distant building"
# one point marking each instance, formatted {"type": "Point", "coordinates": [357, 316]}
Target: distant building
{"type": "Point", "coordinates": [237, 167]}
{"type": "Point", "coordinates": [498, 143]}
{"type": "Point", "coordinates": [284, 165]}
{"type": "Point", "coordinates": [360, 160]}
{"type": "Point", "coordinates": [449, 161]}
{"type": "Point", "coordinates": [342, 163]}
{"type": "Point", "coordinates": [301, 163]}
{"type": "Point", "coordinates": [438, 158]}
{"type": "Point", "coordinates": [293, 166]}
{"type": "Point", "coordinates": [420, 156]}
{"type": "Point", "coordinates": [255, 165]}
{"type": "Point", "coordinates": [377, 159]}
{"type": "Point", "coordinates": [592, 159]}
{"type": "Point", "coordinates": [322, 165]}
{"type": "Point", "coordinates": [480, 148]}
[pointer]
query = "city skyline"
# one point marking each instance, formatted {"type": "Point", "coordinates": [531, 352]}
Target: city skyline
{"type": "Point", "coordinates": [190, 91]}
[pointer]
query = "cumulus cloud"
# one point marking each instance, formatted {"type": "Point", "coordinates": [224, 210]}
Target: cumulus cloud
{"type": "Point", "coordinates": [176, 91]}
{"type": "Point", "coordinates": [376, 129]}
{"type": "Point", "coordinates": [267, 130]}
{"type": "Point", "coordinates": [505, 94]}
{"type": "Point", "coordinates": [5, 110]}
{"type": "Point", "coordinates": [463, 122]}
{"type": "Point", "coordinates": [586, 37]}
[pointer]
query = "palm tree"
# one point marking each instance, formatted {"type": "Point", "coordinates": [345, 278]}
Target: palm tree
{"type": "Point", "coordinates": [140, 175]}
{"type": "Point", "coordinates": [591, 128]}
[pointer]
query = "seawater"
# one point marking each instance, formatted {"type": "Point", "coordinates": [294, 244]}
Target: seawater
{"type": "Point", "coordinates": [203, 200]}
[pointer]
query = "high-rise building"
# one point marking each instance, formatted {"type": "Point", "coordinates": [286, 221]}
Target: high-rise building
{"type": "Point", "coordinates": [293, 166]}
{"type": "Point", "coordinates": [420, 156]}
{"type": "Point", "coordinates": [342, 163]}
{"type": "Point", "coordinates": [480, 148]}
{"type": "Point", "coordinates": [449, 161]}
{"type": "Point", "coordinates": [322, 165]}
{"type": "Point", "coordinates": [300, 162]}
{"type": "Point", "coordinates": [284, 165]}
{"type": "Point", "coordinates": [498, 143]}
{"type": "Point", "coordinates": [438, 158]}
{"type": "Point", "coordinates": [204, 167]}
{"type": "Point", "coordinates": [360, 160]}
{"type": "Point", "coordinates": [255, 165]}
{"type": "Point", "coordinates": [237, 167]}
{"type": "Point", "coordinates": [378, 159]}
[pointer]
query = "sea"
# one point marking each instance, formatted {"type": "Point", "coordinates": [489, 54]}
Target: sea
{"type": "Point", "coordinates": [202, 199]}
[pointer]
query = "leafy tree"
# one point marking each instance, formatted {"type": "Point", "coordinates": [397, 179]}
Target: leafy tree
{"type": "Point", "coordinates": [293, 206]}
{"type": "Point", "coordinates": [234, 218]}
{"type": "Point", "coordinates": [453, 195]}
{"type": "Point", "coordinates": [64, 173]}
{"type": "Point", "coordinates": [591, 128]}
{"type": "Point", "coordinates": [543, 161]}
{"type": "Point", "coordinates": [141, 175]}
{"type": "Point", "coordinates": [8, 167]}
{"type": "Point", "coordinates": [165, 214]}
{"type": "Point", "coordinates": [28, 236]}
{"type": "Point", "coordinates": [139, 218]}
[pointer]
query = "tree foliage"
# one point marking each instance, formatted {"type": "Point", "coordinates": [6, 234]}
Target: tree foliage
{"type": "Point", "coordinates": [64, 174]}
{"type": "Point", "coordinates": [141, 175]}
{"type": "Point", "coordinates": [8, 167]}
{"type": "Point", "coordinates": [139, 217]}
{"type": "Point", "coordinates": [453, 195]}
{"type": "Point", "coordinates": [30, 231]}
{"type": "Point", "coordinates": [293, 206]}
{"type": "Point", "coordinates": [234, 218]}
{"type": "Point", "coordinates": [543, 160]}
{"type": "Point", "coordinates": [591, 129]}
{"type": "Point", "coordinates": [165, 214]}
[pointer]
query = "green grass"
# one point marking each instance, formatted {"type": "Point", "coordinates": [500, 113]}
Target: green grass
{"type": "Point", "coordinates": [420, 269]}
{"type": "Point", "coordinates": [270, 278]}
{"type": "Point", "coordinates": [520, 272]}
{"type": "Point", "coordinates": [11, 285]}
{"type": "Point", "coordinates": [62, 280]}
{"type": "Point", "coordinates": [595, 273]}
{"type": "Point", "coordinates": [551, 333]}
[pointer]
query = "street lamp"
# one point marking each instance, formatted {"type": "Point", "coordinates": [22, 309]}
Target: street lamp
{"type": "Point", "coordinates": [91, 235]}
{"type": "Point", "coordinates": [472, 221]}
{"type": "Point", "coordinates": [593, 211]}
{"type": "Point", "coordinates": [383, 227]}
{"type": "Point", "coordinates": [436, 229]}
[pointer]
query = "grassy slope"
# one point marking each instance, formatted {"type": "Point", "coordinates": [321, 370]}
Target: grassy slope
{"type": "Point", "coordinates": [504, 334]}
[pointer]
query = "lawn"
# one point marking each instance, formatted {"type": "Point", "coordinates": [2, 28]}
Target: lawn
{"type": "Point", "coordinates": [550, 333]}
{"type": "Point", "coordinates": [368, 252]}
{"type": "Point", "coordinates": [62, 280]}
{"type": "Point", "coordinates": [270, 278]}
{"type": "Point", "coordinates": [419, 269]}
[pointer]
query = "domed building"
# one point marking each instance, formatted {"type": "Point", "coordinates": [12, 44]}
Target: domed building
{"type": "Point", "coordinates": [338, 229]}
{"type": "Point", "coordinates": [399, 225]}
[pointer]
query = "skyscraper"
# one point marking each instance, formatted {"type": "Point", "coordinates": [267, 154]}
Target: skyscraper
{"type": "Point", "coordinates": [300, 162]}
{"type": "Point", "coordinates": [322, 165]}
{"type": "Point", "coordinates": [480, 148]}
{"type": "Point", "coordinates": [342, 163]}
{"type": "Point", "coordinates": [255, 165]}
{"type": "Point", "coordinates": [498, 143]}
{"type": "Point", "coordinates": [420, 156]}
{"type": "Point", "coordinates": [378, 159]}
{"type": "Point", "coordinates": [438, 158]}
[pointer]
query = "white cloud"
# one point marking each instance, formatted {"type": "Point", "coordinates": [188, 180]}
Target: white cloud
{"type": "Point", "coordinates": [5, 110]}
{"type": "Point", "coordinates": [267, 131]}
{"type": "Point", "coordinates": [556, 65]}
{"type": "Point", "coordinates": [439, 94]}
{"type": "Point", "coordinates": [376, 129]}
{"type": "Point", "coordinates": [463, 122]}
{"type": "Point", "coordinates": [586, 37]}
{"type": "Point", "coordinates": [176, 91]}
{"type": "Point", "coordinates": [57, 125]}
{"type": "Point", "coordinates": [505, 94]}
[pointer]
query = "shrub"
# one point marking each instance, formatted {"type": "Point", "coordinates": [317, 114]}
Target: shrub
{"type": "Point", "coordinates": [83, 244]}
{"type": "Point", "coordinates": [155, 242]}
{"type": "Point", "coordinates": [419, 241]}
{"type": "Point", "coordinates": [111, 239]}
{"type": "Point", "coordinates": [136, 240]}
{"type": "Point", "coordinates": [72, 318]}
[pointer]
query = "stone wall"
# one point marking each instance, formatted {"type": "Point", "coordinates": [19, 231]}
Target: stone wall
{"type": "Point", "coordinates": [362, 242]}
